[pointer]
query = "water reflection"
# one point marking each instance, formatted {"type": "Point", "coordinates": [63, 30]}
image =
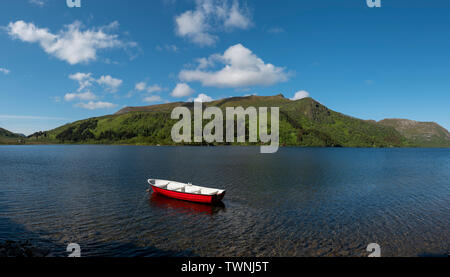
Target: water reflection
{"type": "Point", "coordinates": [297, 202]}
{"type": "Point", "coordinates": [162, 202]}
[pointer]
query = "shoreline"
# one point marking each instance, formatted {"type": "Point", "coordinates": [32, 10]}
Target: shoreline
{"type": "Point", "coordinates": [22, 249]}
{"type": "Point", "coordinates": [237, 145]}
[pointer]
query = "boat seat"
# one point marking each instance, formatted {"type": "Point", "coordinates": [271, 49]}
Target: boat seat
{"type": "Point", "coordinates": [174, 186]}
{"type": "Point", "coordinates": [209, 192]}
{"type": "Point", "coordinates": [192, 189]}
{"type": "Point", "coordinates": [164, 186]}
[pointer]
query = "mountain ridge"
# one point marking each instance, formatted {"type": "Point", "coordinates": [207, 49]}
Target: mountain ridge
{"type": "Point", "coordinates": [8, 134]}
{"type": "Point", "coordinates": [304, 122]}
{"type": "Point", "coordinates": [427, 133]}
{"type": "Point", "coordinates": [8, 137]}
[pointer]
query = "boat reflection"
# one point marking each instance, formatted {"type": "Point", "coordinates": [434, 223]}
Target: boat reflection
{"type": "Point", "coordinates": [162, 202]}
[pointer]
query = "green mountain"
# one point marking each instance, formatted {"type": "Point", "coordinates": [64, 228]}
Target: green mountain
{"type": "Point", "coordinates": [304, 122]}
{"type": "Point", "coordinates": [428, 134]}
{"type": "Point", "coordinates": [5, 133]}
{"type": "Point", "coordinates": [7, 137]}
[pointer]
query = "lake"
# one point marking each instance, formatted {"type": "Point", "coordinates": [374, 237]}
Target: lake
{"type": "Point", "coordinates": [297, 202]}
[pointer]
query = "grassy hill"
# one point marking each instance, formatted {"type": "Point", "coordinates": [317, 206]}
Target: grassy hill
{"type": "Point", "coordinates": [302, 123]}
{"type": "Point", "coordinates": [7, 137]}
{"type": "Point", "coordinates": [428, 134]}
{"type": "Point", "coordinates": [7, 134]}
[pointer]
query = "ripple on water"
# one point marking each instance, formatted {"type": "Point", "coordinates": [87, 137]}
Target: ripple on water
{"type": "Point", "coordinates": [298, 202]}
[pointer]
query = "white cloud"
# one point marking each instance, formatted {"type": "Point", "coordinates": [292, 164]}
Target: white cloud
{"type": "Point", "coordinates": [72, 44]}
{"type": "Point", "coordinates": [203, 98]}
{"type": "Point", "coordinates": [154, 88]}
{"type": "Point", "coordinates": [182, 90]}
{"type": "Point", "coordinates": [168, 48]}
{"type": "Point", "coordinates": [111, 83]}
{"type": "Point", "coordinates": [91, 105]}
{"type": "Point", "coordinates": [211, 16]}
{"type": "Point", "coordinates": [39, 3]}
{"type": "Point", "coordinates": [4, 71]}
{"type": "Point", "coordinates": [142, 86]}
{"type": "Point", "coordinates": [236, 17]}
{"type": "Point", "coordinates": [84, 79]}
{"type": "Point", "coordinates": [300, 95]}
{"type": "Point", "coordinates": [85, 96]}
{"type": "Point", "coordinates": [242, 69]}
{"type": "Point", "coordinates": [153, 98]}
{"type": "Point", "coordinates": [30, 117]}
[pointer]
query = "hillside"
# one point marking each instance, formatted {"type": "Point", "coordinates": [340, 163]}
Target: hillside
{"type": "Point", "coordinates": [304, 122]}
{"type": "Point", "coordinates": [7, 134]}
{"type": "Point", "coordinates": [423, 133]}
{"type": "Point", "coordinates": [7, 137]}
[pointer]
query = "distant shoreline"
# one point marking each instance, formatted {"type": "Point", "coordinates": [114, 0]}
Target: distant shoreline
{"type": "Point", "coordinates": [205, 146]}
{"type": "Point", "coordinates": [303, 123]}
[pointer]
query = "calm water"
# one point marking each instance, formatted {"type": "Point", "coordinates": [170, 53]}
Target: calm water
{"type": "Point", "coordinates": [298, 202]}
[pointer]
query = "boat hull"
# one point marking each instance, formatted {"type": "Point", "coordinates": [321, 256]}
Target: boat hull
{"type": "Point", "coordinates": [191, 197]}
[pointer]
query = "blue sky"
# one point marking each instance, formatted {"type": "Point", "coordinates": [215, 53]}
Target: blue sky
{"type": "Point", "coordinates": [60, 64]}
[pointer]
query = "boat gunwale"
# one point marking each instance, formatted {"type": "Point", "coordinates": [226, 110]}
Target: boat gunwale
{"type": "Point", "coordinates": [190, 193]}
{"type": "Point", "coordinates": [212, 195]}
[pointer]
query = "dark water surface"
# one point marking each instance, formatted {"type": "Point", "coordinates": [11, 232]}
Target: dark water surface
{"type": "Point", "coordinates": [298, 202]}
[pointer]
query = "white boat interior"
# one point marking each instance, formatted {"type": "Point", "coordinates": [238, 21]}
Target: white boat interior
{"type": "Point", "coordinates": [183, 187]}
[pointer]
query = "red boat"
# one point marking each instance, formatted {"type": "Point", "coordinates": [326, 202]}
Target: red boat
{"type": "Point", "coordinates": [187, 192]}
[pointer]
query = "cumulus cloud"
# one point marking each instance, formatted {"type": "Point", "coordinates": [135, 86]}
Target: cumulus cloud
{"type": "Point", "coordinates": [209, 17]}
{"type": "Point", "coordinates": [167, 47]}
{"type": "Point", "coordinates": [235, 17]}
{"type": "Point", "coordinates": [142, 86]}
{"type": "Point", "coordinates": [39, 3]}
{"type": "Point", "coordinates": [153, 98]}
{"type": "Point", "coordinates": [85, 96]}
{"type": "Point", "coordinates": [203, 98]}
{"type": "Point", "coordinates": [4, 71]}
{"type": "Point", "coordinates": [154, 88]}
{"type": "Point", "coordinates": [300, 95]}
{"type": "Point", "coordinates": [84, 80]}
{"type": "Point", "coordinates": [242, 69]}
{"type": "Point", "coordinates": [112, 84]}
{"type": "Point", "coordinates": [182, 90]}
{"type": "Point", "coordinates": [91, 105]}
{"type": "Point", "coordinates": [72, 44]}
